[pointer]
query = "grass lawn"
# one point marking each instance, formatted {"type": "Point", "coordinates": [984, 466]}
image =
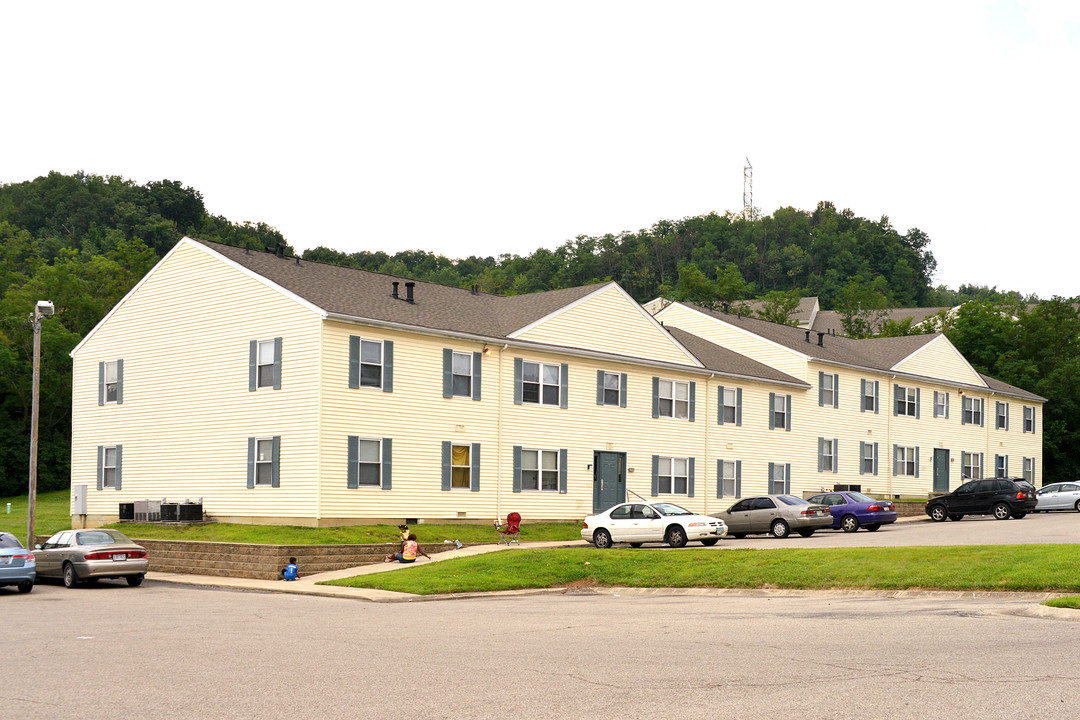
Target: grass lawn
{"type": "Point", "coordinates": [346, 535]}
{"type": "Point", "coordinates": [1072, 601]}
{"type": "Point", "coordinates": [1051, 568]}
{"type": "Point", "coordinates": [52, 513]}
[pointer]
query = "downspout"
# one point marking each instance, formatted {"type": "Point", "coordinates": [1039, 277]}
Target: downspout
{"type": "Point", "coordinates": [891, 465]}
{"type": "Point", "coordinates": [705, 469]}
{"type": "Point", "coordinates": [498, 437]}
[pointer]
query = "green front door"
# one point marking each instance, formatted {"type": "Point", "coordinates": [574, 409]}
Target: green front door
{"type": "Point", "coordinates": [941, 470]}
{"type": "Point", "coordinates": [609, 480]}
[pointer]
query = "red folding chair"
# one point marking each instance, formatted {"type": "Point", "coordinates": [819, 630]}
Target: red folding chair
{"type": "Point", "coordinates": [509, 532]}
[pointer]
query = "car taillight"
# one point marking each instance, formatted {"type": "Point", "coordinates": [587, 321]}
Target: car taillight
{"type": "Point", "coordinates": [108, 554]}
{"type": "Point", "coordinates": [810, 511]}
{"type": "Point", "coordinates": [25, 558]}
{"type": "Point", "coordinates": [1021, 495]}
{"type": "Point", "coordinates": [584, 526]}
{"type": "Point", "coordinates": [874, 508]}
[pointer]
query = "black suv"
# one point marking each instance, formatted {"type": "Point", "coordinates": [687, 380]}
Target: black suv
{"type": "Point", "coordinates": [1001, 497]}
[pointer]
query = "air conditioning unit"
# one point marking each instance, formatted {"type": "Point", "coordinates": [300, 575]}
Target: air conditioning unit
{"type": "Point", "coordinates": [147, 511]}
{"type": "Point", "coordinates": [127, 511]}
{"type": "Point", "coordinates": [170, 512]}
{"type": "Point", "coordinates": [191, 512]}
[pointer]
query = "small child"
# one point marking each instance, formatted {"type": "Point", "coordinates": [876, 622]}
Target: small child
{"type": "Point", "coordinates": [289, 572]}
{"type": "Point", "coordinates": [410, 549]}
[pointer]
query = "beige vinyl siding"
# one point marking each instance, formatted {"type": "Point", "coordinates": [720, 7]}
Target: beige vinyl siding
{"type": "Point", "coordinates": [940, 359]}
{"type": "Point", "coordinates": [734, 338]}
{"type": "Point", "coordinates": [609, 321]}
{"type": "Point", "coordinates": [187, 412]}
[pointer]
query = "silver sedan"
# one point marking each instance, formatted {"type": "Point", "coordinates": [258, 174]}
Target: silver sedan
{"type": "Point", "coordinates": [775, 514]}
{"type": "Point", "coordinates": [78, 555]}
{"type": "Point", "coordinates": [1059, 496]}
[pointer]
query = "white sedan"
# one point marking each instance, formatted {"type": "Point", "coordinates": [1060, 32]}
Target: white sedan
{"type": "Point", "coordinates": [1059, 496]}
{"type": "Point", "coordinates": [641, 522]}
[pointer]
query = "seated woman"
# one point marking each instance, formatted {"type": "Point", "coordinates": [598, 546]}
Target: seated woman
{"type": "Point", "coordinates": [408, 551]}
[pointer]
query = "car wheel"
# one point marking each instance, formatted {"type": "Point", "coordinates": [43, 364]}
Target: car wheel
{"type": "Point", "coordinates": [709, 542]}
{"type": "Point", "coordinates": [938, 514]}
{"type": "Point", "coordinates": [1077, 506]}
{"type": "Point", "coordinates": [602, 539]}
{"type": "Point", "coordinates": [956, 518]}
{"type": "Point", "coordinates": [71, 578]}
{"type": "Point", "coordinates": [135, 580]}
{"type": "Point", "coordinates": [676, 536]}
{"type": "Point", "coordinates": [849, 523]}
{"type": "Point", "coordinates": [25, 587]}
{"type": "Point", "coordinates": [1002, 511]}
{"type": "Point", "coordinates": [806, 533]}
{"type": "Point", "coordinates": [738, 536]}
{"type": "Point", "coordinates": [636, 544]}
{"type": "Point", "coordinates": [872, 527]}
{"type": "Point", "coordinates": [779, 529]}
{"type": "Point", "coordinates": [1019, 514]}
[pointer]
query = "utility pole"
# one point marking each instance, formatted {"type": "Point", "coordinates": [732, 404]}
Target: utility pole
{"type": "Point", "coordinates": [42, 309]}
{"type": "Point", "coordinates": [748, 191]}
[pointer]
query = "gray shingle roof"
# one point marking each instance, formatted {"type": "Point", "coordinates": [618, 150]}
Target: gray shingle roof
{"type": "Point", "coordinates": [829, 320]}
{"type": "Point", "coordinates": [720, 359]}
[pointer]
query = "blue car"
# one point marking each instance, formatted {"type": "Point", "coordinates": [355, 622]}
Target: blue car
{"type": "Point", "coordinates": [17, 565]}
{"type": "Point", "coordinates": [852, 510]}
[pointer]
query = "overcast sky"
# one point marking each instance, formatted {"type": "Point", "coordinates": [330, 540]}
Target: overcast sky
{"type": "Point", "coordinates": [470, 128]}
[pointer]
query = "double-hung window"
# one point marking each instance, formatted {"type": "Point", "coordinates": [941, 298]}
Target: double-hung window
{"type": "Point", "coordinates": [971, 465]}
{"type": "Point", "coordinates": [941, 404]}
{"type": "Point", "coordinates": [610, 388]}
{"type": "Point", "coordinates": [973, 411]}
{"type": "Point", "coordinates": [1029, 469]}
{"type": "Point", "coordinates": [779, 412]}
{"type": "Point", "coordinates": [540, 470]}
{"type": "Point", "coordinates": [108, 467]}
{"type": "Point", "coordinates": [827, 389]}
{"type": "Point", "coordinates": [905, 461]}
{"type": "Point", "coordinates": [540, 383]}
{"type": "Point", "coordinates": [370, 462]}
{"type": "Point", "coordinates": [462, 371]}
{"type": "Point", "coordinates": [266, 363]}
{"type": "Point", "coordinates": [1001, 466]}
{"type": "Point", "coordinates": [263, 461]}
{"type": "Point", "coordinates": [779, 478]}
{"type": "Point", "coordinates": [868, 458]}
{"type": "Point", "coordinates": [673, 476]}
{"type": "Point", "coordinates": [111, 384]}
{"type": "Point", "coordinates": [371, 363]}
{"type": "Point", "coordinates": [907, 401]}
{"type": "Point", "coordinates": [460, 466]}
{"type": "Point", "coordinates": [674, 399]}
{"type": "Point", "coordinates": [827, 454]}
{"type": "Point", "coordinates": [730, 407]}
{"type": "Point", "coordinates": [729, 487]}
{"type": "Point", "coordinates": [1002, 416]}
{"type": "Point", "coordinates": [1029, 419]}
{"type": "Point", "coordinates": [870, 395]}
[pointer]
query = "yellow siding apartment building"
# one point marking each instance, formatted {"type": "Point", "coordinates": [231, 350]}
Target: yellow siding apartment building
{"type": "Point", "coordinates": [284, 391]}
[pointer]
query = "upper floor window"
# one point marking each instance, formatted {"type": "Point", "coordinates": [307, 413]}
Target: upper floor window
{"type": "Point", "coordinates": [870, 395]}
{"type": "Point", "coordinates": [371, 363]}
{"type": "Point", "coordinates": [111, 381]}
{"type": "Point", "coordinates": [1001, 415]}
{"type": "Point", "coordinates": [266, 364]}
{"type": "Point", "coordinates": [730, 405]}
{"type": "Point", "coordinates": [941, 404]}
{"type": "Point", "coordinates": [610, 388]}
{"type": "Point", "coordinates": [1029, 419]}
{"type": "Point", "coordinates": [973, 411]}
{"type": "Point", "coordinates": [674, 399]}
{"type": "Point", "coordinates": [827, 389]}
{"type": "Point", "coordinates": [462, 371]}
{"type": "Point", "coordinates": [907, 401]}
{"type": "Point", "coordinates": [779, 411]}
{"type": "Point", "coordinates": [540, 383]}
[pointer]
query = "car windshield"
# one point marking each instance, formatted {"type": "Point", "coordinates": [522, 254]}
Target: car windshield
{"type": "Point", "coordinates": [859, 497]}
{"type": "Point", "coordinates": [99, 537]}
{"type": "Point", "coordinates": [9, 541]}
{"type": "Point", "coordinates": [669, 509]}
{"type": "Point", "coordinates": [791, 500]}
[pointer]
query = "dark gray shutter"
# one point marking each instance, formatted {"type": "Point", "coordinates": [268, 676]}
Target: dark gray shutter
{"type": "Point", "coordinates": [720, 478]}
{"type": "Point", "coordinates": [693, 399]}
{"type": "Point", "coordinates": [119, 466]}
{"type": "Point", "coordinates": [895, 459]}
{"type": "Point", "coordinates": [352, 475]}
{"type": "Point", "coordinates": [720, 408]}
{"type": "Point", "coordinates": [1006, 466]}
{"type": "Point", "coordinates": [895, 397]}
{"type": "Point", "coordinates": [862, 454]}
{"type": "Point", "coordinates": [738, 478]}
{"type": "Point", "coordinates": [388, 366]}
{"type": "Point", "coordinates": [787, 479]}
{"type": "Point", "coordinates": [877, 396]}
{"type": "Point", "coordinates": [477, 375]}
{"type": "Point", "coordinates": [982, 465]}
{"type": "Point", "coordinates": [875, 457]}
{"type": "Point", "coordinates": [474, 470]}
{"type": "Point", "coordinates": [787, 413]}
{"type": "Point", "coordinates": [772, 411]}
{"type": "Point", "coordinates": [251, 463]}
{"type": "Point", "coordinates": [821, 454]}
{"type": "Point", "coordinates": [738, 407]}
{"type": "Point", "coordinates": [517, 468]}
{"type": "Point", "coordinates": [253, 354]}
{"type": "Point", "coordinates": [354, 361]}
{"type": "Point", "coordinates": [835, 454]}
{"type": "Point", "coordinates": [769, 484]}
{"type": "Point", "coordinates": [275, 468]}
{"type": "Point", "coordinates": [655, 397]}
{"type": "Point", "coordinates": [690, 477]}
{"type": "Point", "coordinates": [836, 390]}
{"type": "Point", "coordinates": [562, 471]}
{"type": "Point", "coordinates": [447, 373]}
{"type": "Point", "coordinates": [1033, 430]}
{"type": "Point", "coordinates": [120, 381]}
{"type": "Point", "coordinates": [277, 364]}
{"type": "Point", "coordinates": [946, 406]}
{"type": "Point", "coordinates": [963, 410]}
{"type": "Point", "coordinates": [445, 465]}
{"type": "Point", "coordinates": [564, 401]}
{"type": "Point", "coordinates": [100, 388]}
{"type": "Point", "coordinates": [936, 394]}
{"type": "Point", "coordinates": [517, 381]}
{"type": "Point", "coordinates": [821, 389]}
{"type": "Point", "coordinates": [387, 462]}
{"type": "Point", "coordinates": [862, 395]}
{"type": "Point", "coordinates": [100, 471]}
{"type": "Point", "coordinates": [918, 401]}
{"type": "Point", "coordinates": [599, 387]}
{"type": "Point", "coordinates": [655, 475]}
{"type": "Point", "coordinates": [622, 390]}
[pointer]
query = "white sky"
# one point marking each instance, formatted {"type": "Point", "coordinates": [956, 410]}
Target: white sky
{"type": "Point", "coordinates": [470, 128]}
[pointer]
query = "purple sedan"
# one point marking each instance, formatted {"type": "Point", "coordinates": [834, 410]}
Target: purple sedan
{"type": "Point", "coordinates": [852, 510]}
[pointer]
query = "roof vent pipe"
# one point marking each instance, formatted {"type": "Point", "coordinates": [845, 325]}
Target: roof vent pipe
{"type": "Point", "coordinates": [409, 291]}
{"type": "Point", "coordinates": [807, 336]}
{"type": "Point", "coordinates": [726, 306]}
{"type": "Point", "coordinates": [821, 339]}
{"type": "Point", "coordinates": [395, 284]}
{"type": "Point", "coordinates": [280, 250]}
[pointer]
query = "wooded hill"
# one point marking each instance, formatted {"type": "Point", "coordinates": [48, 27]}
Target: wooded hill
{"type": "Point", "coordinates": [83, 241]}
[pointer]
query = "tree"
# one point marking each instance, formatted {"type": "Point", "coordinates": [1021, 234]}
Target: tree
{"type": "Point", "coordinates": [778, 306]}
{"type": "Point", "coordinates": [862, 307]}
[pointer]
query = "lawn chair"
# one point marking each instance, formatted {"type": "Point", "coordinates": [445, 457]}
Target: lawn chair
{"type": "Point", "coordinates": [509, 532]}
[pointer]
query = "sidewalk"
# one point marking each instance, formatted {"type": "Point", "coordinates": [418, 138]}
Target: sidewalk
{"type": "Point", "coordinates": [306, 585]}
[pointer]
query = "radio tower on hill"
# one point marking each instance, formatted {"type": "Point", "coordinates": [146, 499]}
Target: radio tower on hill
{"type": "Point", "coordinates": [748, 191]}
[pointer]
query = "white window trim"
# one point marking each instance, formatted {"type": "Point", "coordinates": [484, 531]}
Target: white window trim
{"type": "Point", "coordinates": [381, 364]}
{"type": "Point", "coordinates": [674, 393]}
{"type": "Point", "coordinates": [467, 485]}
{"type": "Point", "coordinates": [998, 417]}
{"type": "Point", "coordinates": [972, 463]}
{"type": "Point", "coordinates": [672, 476]}
{"type": "Point", "coordinates": [724, 478]}
{"type": "Point", "coordinates": [618, 381]}
{"type": "Point", "coordinates": [734, 405]}
{"type": "Point", "coordinates": [105, 484]}
{"type": "Point", "coordinates": [828, 455]}
{"type": "Point", "coordinates": [781, 469]}
{"type": "Point", "coordinates": [782, 399]}
{"type": "Point", "coordinates": [869, 393]}
{"type": "Point", "coordinates": [939, 407]}
{"type": "Point", "coordinates": [969, 410]}
{"type": "Point", "coordinates": [905, 457]}
{"type": "Point", "coordinates": [115, 367]}
{"type": "Point", "coordinates": [1029, 419]}
{"type": "Point", "coordinates": [259, 364]}
{"type": "Point", "coordinates": [270, 462]}
{"type": "Point", "coordinates": [1029, 469]}
{"type": "Point", "coordinates": [359, 463]}
{"type": "Point", "coordinates": [453, 374]}
{"type": "Point", "coordinates": [541, 384]}
{"type": "Point", "coordinates": [1001, 466]}
{"type": "Point", "coordinates": [868, 456]}
{"type": "Point", "coordinates": [539, 469]}
{"type": "Point", "coordinates": [828, 394]}
{"type": "Point", "coordinates": [910, 401]}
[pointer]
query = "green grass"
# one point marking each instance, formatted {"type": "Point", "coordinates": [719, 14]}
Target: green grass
{"type": "Point", "coordinates": [1049, 568]}
{"type": "Point", "coordinates": [1072, 601]}
{"type": "Point", "coordinates": [52, 513]}
{"type": "Point", "coordinates": [345, 535]}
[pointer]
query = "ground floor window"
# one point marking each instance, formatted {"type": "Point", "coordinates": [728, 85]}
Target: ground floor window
{"type": "Point", "coordinates": [460, 466]}
{"type": "Point", "coordinates": [540, 470]}
{"type": "Point", "coordinates": [972, 465]}
{"type": "Point", "coordinates": [672, 476]}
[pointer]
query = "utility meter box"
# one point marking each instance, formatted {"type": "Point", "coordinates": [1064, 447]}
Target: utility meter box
{"type": "Point", "coordinates": [78, 499]}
